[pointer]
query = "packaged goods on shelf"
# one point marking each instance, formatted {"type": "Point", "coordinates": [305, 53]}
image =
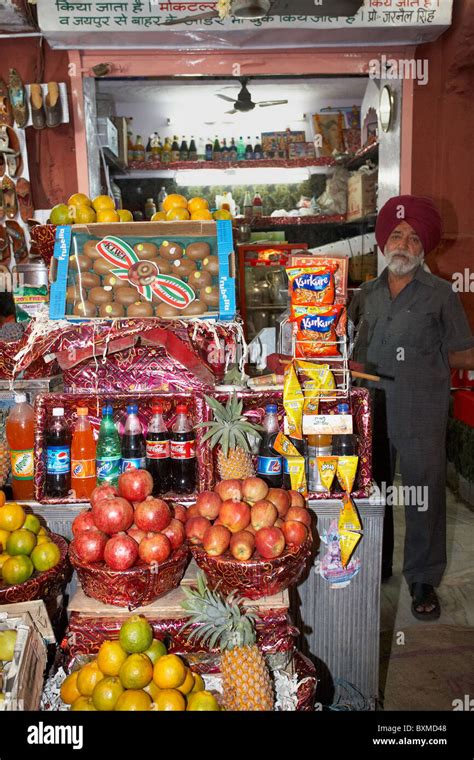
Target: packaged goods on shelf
{"type": "Point", "coordinates": [361, 195]}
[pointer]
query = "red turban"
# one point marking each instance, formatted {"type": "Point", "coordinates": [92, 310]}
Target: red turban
{"type": "Point", "coordinates": [420, 213]}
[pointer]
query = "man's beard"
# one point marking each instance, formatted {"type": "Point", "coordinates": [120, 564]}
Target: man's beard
{"type": "Point", "coordinates": [401, 262]}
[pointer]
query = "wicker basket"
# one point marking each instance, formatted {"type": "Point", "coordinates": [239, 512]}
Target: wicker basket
{"type": "Point", "coordinates": [131, 588]}
{"type": "Point", "coordinates": [47, 585]}
{"type": "Point", "coordinates": [256, 577]}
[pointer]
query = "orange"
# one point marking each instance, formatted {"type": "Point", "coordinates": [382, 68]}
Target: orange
{"type": "Point", "coordinates": [107, 215]}
{"type": "Point", "coordinates": [2, 498]}
{"type": "Point", "coordinates": [82, 704]}
{"type": "Point", "coordinates": [136, 672]}
{"type": "Point", "coordinates": [42, 539]}
{"type": "Point", "coordinates": [21, 542]}
{"type": "Point", "coordinates": [17, 569]}
{"type": "Point", "coordinates": [110, 658]}
{"type": "Point", "coordinates": [45, 556]}
{"type": "Point", "coordinates": [160, 216]}
{"type": "Point", "coordinates": [88, 678]}
{"type": "Point", "coordinates": [188, 685]}
{"type": "Point", "coordinates": [133, 699]}
{"type": "Point", "coordinates": [177, 214]}
{"type": "Point", "coordinates": [136, 634]}
{"type": "Point", "coordinates": [12, 516]}
{"type": "Point", "coordinates": [222, 213]}
{"type": "Point", "coordinates": [202, 215]}
{"type": "Point", "coordinates": [83, 214]}
{"type": "Point", "coordinates": [174, 201]}
{"type": "Point", "coordinates": [199, 684]}
{"type": "Point", "coordinates": [125, 215]}
{"type": "Point", "coordinates": [197, 204]}
{"type": "Point", "coordinates": [79, 199]}
{"type": "Point", "coordinates": [103, 203]}
{"type": "Point", "coordinates": [69, 691]}
{"type": "Point", "coordinates": [170, 700]}
{"type": "Point", "coordinates": [42, 532]}
{"type": "Point", "coordinates": [202, 701]}
{"type": "Point", "coordinates": [4, 538]}
{"type": "Point", "coordinates": [60, 214]}
{"type": "Point", "coordinates": [32, 523]}
{"type": "Point", "coordinates": [153, 690]}
{"type": "Point", "coordinates": [169, 672]}
{"type": "Point", "coordinates": [156, 650]}
{"type": "Point", "coordinates": [3, 558]}
{"type": "Point", "coordinates": [106, 693]}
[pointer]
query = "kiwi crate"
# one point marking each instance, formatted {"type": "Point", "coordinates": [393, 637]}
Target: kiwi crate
{"type": "Point", "coordinates": [171, 270]}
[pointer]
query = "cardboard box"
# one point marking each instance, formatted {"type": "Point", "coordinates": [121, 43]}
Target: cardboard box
{"type": "Point", "coordinates": [361, 195]}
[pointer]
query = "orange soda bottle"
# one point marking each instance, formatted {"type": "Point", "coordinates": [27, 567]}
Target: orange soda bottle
{"type": "Point", "coordinates": [83, 446]}
{"type": "Point", "coordinates": [21, 436]}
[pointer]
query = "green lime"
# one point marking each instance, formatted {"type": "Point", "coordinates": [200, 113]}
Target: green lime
{"type": "Point", "coordinates": [17, 570]}
{"type": "Point", "coordinates": [45, 556]}
{"type": "Point", "coordinates": [136, 634]}
{"type": "Point", "coordinates": [7, 645]}
{"type": "Point", "coordinates": [156, 650]}
{"type": "Point", "coordinates": [32, 523]}
{"type": "Point", "coordinates": [21, 542]}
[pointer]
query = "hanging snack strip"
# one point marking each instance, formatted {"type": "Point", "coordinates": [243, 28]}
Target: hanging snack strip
{"type": "Point", "coordinates": [296, 463]}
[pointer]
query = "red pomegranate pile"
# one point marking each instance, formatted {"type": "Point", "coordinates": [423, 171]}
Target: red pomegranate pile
{"type": "Point", "coordinates": [127, 526]}
{"type": "Point", "coordinates": [246, 519]}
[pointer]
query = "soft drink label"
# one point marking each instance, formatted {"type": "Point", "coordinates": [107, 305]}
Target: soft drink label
{"type": "Point", "coordinates": [83, 468]}
{"type": "Point", "coordinates": [158, 449]}
{"type": "Point", "coordinates": [22, 464]}
{"type": "Point", "coordinates": [58, 460]}
{"type": "Point", "coordinates": [108, 469]}
{"type": "Point", "coordinates": [128, 464]}
{"type": "Point", "coordinates": [183, 449]}
{"type": "Point", "coordinates": [269, 466]}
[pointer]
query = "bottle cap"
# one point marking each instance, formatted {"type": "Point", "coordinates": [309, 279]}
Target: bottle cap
{"type": "Point", "coordinates": [181, 409]}
{"type": "Point", "coordinates": [82, 411]}
{"type": "Point", "coordinates": [157, 408]}
{"type": "Point", "coordinates": [343, 408]}
{"type": "Point", "coordinates": [107, 410]}
{"type": "Point", "coordinates": [271, 408]}
{"type": "Point", "coordinates": [132, 409]}
{"type": "Point", "coordinates": [20, 398]}
{"type": "Point", "coordinates": [58, 412]}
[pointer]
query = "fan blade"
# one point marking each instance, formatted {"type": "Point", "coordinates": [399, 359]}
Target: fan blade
{"type": "Point", "coordinates": [266, 103]}
{"type": "Point", "coordinates": [225, 97]}
{"type": "Point", "coordinates": [199, 17]}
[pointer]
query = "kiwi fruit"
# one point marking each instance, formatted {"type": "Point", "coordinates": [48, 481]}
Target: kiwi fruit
{"type": "Point", "coordinates": [116, 282]}
{"type": "Point", "coordinates": [195, 308]}
{"type": "Point", "coordinates": [171, 251]}
{"type": "Point", "coordinates": [89, 249]}
{"type": "Point", "coordinates": [126, 296]}
{"type": "Point", "coordinates": [102, 266]}
{"type": "Point", "coordinates": [85, 309]}
{"type": "Point", "coordinates": [80, 263]}
{"type": "Point", "coordinates": [211, 264]}
{"type": "Point", "coordinates": [88, 280]}
{"type": "Point", "coordinates": [101, 295]}
{"type": "Point", "coordinates": [183, 267]}
{"type": "Point", "coordinates": [210, 295]}
{"type": "Point", "coordinates": [200, 279]}
{"type": "Point", "coordinates": [166, 311]}
{"type": "Point", "coordinates": [140, 309]}
{"type": "Point", "coordinates": [111, 310]}
{"type": "Point", "coordinates": [146, 250]}
{"type": "Point", "coordinates": [198, 251]}
{"type": "Point", "coordinates": [163, 265]}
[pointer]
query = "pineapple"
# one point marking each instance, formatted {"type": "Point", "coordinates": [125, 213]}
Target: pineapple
{"type": "Point", "coordinates": [230, 430]}
{"type": "Point", "coordinates": [222, 622]}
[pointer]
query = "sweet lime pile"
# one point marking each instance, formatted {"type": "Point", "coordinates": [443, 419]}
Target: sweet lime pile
{"type": "Point", "coordinates": [80, 209]}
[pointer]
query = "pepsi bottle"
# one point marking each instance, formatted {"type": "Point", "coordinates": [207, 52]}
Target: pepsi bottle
{"type": "Point", "coordinates": [58, 457]}
{"type": "Point", "coordinates": [133, 441]}
{"type": "Point", "coordinates": [158, 452]}
{"type": "Point", "coordinates": [270, 463]}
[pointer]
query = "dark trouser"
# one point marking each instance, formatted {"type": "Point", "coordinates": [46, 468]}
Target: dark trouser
{"type": "Point", "coordinates": [423, 471]}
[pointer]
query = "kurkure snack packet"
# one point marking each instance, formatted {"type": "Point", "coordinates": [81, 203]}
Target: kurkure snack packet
{"type": "Point", "coordinates": [316, 334]}
{"type": "Point", "coordinates": [348, 517]}
{"type": "Point", "coordinates": [310, 286]}
{"type": "Point", "coordinates": [346, 472]}
{"type": "Point", "coordinates": [327, 470]}
{"type": "Point", "coordinates": [317, 373]}
{"type": "Point", "coordinates": [293, 402]}
{"type": "Point", "coordinates": [348, 541]}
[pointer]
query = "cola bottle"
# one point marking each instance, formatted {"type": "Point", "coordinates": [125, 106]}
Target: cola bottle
{"type": "Point", "coordinates": [158, 451]}
{"type": "Point", "coordinates": [58, 456]}
{"type": "Point", "coordinates": [269, 462]}
{"type": "Point", "coordinates": [183, 453]}
{"type": "Point", "coordinates": [133, 441]}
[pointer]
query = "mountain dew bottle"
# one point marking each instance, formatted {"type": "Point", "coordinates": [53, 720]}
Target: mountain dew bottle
{"type": "Point", "coordinates": [108, 452]}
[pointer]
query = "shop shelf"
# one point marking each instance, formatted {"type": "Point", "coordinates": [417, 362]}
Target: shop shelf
{"type": "Point", "coordinates": [269, 163]}
{"type": "Point", "coordinates": [283, 221]}
{"type": "Point", "coordinates": [368, 152]}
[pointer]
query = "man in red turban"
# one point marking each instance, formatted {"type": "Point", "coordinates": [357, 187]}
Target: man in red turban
{"type": "Point", "coordinates": [412, 330]}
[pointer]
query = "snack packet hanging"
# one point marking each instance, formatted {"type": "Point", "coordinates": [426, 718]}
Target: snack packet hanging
{"type": "Point", "coordinates": [283, 445]}
{"type": "Point", "coordinates": [348, 516]}
{"type": "Point", "coordinates": [310, 286]}
{"type": "Point", "coordinates": [311, 392]}
{"type": "Point", "coordinates": [346, 472]}
{"type": "Point", "coordinates": [293, 402]}
{"type": "Point", "coordinates": [316, 334]}
{"type": "Point", "coordinates": [297, 470]}
{"type": "Point", "coordinates": [348, 541]}
{"type": "Point", "coordinates": [327, 470]}
{"type": "Point", "coordinates": [317, 373]}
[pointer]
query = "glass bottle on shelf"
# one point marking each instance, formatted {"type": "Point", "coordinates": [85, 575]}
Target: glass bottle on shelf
{"type": "Point", "coordinates": [150, 208]}
{"type": "Point", "coordinates": [193, 154]}
{"type": "Point", "coordinates": [265, 290]}
{"type": "Point", "coordinates": [258, 152]}
{"type": "Point", "coordinates": [201, 149]}
{"type": "Point", "coordinates": [156, 148]}
{"type": "Point", "coordinates": [166, 152]}
{"type": "Point", "coordinates": [249, 149]}
{"type": "Point", "coordinates": [161, 197]}
{"type": "Point", "coordinates": [233, 150]}
{"type": "Point", "coordinates": [225, 151]}
{"type": "Point", "coordinates": [175, 149]}
{"type": "Point", "coordinates": [209, 150]}
{"type": "Point", "coordinates": [257, 205]}
{"type": "Point", "coordinates": [183, 150]}
{"type": "Point", "coordinates": [139, 149]}
{"type": "Point", "coordinates": [241, 149]}
{"type": "Point", "coordinates": [148, 148]}
{"type": "Point", "coordinates": [248, 207]}
{"type": "Point", "coordinates": [216, 150]}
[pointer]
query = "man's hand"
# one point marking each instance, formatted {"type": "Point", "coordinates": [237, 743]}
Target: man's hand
{"type": "Point", "coordinates": [461, 359]}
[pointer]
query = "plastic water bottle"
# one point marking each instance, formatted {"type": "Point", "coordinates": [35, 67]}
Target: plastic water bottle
{"type": "Point", "coordinates": [108, 454]}
{"type": "Point", "coordinates": [270, 463]}
{"type": "Point", "coordinates": [344, 445]}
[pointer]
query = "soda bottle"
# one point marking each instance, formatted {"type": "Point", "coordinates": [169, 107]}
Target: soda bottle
{"type": "Point", "coordinates": [257, 205]}
{"type": "Point", "coordinates": [318, 446]}
{"type": "Point", "coordinates": [300, 446]}
{"type": "Point", "coordinates": [158, 451]}
{"type": "Point", "coordinates": [133, 441]}
{"type": "Point", "coordinates": [270, 464]}
{"type": "Point", "coordinates": [21, 436]}
{"type": "Point", "coordinates": [58, 456]}
{"type": "Point", "coordinates": [249, 149]}
{"type": "Point", "coordinates": [193, 154]}
{"type": "Point", "coordinates": [108, 454]}
{"type": "Point", "coordinates": [208, 153]}
{"type": "Point", "coordinates": [258, 152]}
{"type": "Point", "coordinates": [183, 150]}
{"type": "Point", "coordinates": [139, 149]}
{"type": "Point", "coordinates": [175, 149]}
{"type": "Point", "coordinates": [233, 150]}
{"type": "Point", "coordinates": [161, 197]}
{"type": "Point", "coordinates": [83, 450]}
{"type": "Point", "coordinates": [344, 445]}
{"type": "Point", "coordinates": [166, 152]}
{"type": "Point", "coordinates": [216, 150]}
{"type": "Point", "coordinates": [240, 149]}
{"type": "Point", "coordinates": [183, 453]}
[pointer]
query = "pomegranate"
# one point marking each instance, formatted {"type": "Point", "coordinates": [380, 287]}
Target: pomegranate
{"type": "Point", "coordinates": [83, 521]}
{"type": "Point", "coordinates": [121, 552]}
{"type": "Point", "coordinates": [155, 547]}
{"type": "Point", "coordinates": [175, 533]}
{"type": "Point", "coordinates": [270, 542]}
{"type": "Point", "coordinates": [254, 489]}
{"type": "Point", "coordinates": [196, 528]}
{"type": "Point", "coordinates": [152, 515]}
{"type": "Point", "coordinates": [135, 485]}
{"type": "Point", "coordinates": [90, 545]}
{"type": "Point", "coordinates": [229, 490]}
{"type": "Point", "coordinates": [192, 512]}
{"type": "Point", "coordinates": [137, 534]}
{"type": "Point", "coordinates": [216, 540]}
{"type": "Point", "coordinates": [102, 492]}
{"type": "Point", "coordinates": [180, 513]}
{"type": "Point", "coordinates": [208, 504]}
{"type": "Point", "coordinates": [113, 515]}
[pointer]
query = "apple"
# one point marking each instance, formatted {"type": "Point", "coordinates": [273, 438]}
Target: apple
{"type": "Point", "coordinates": [208, 504]}
{"type": "Point", "coordinates": [196, 528]}
{"type": "Point", "coordinates": [121, 552]}
{"type": "Point", "coordinates": [180, 513]}
{"type": "Point", "coordinates": [83, 521]}
{"type": "Point", "coordinates": [137, 534]}
{"type": "Point", "coordinates": [295, 532]}
{"type": "Point", "coordinates": [229, 490]}
{"type": "Point", "coordinates": [216, 540]}
{"type": "Point", "coordinates": [297, 499]}
{"type": "Point", "coordinates": [278, 522]}
{"type": "Point", "coordinates": [281, 499]}
{"type": "Point", "coordinates": [270, 542]}
{"type": "Point", "coordinates": [175, 533]}
{"type": "Point", "coordinates": [90, 545]}
{"type": "Point", "coordinates": [152, 515]}
{"type": "Point", "coordinates": [250, 529]}
{"type": "Point", "coordinates": [235, 515]}
{"type": "Point", "coordinates": [263, 514]}
{"type": "Point", "coordinates": [135, 485]}
{"type": "Point", "coordinates": [254, 489]}
{"type": "Point", "coordinates": [113, 515]}
{"type": "Point", "coordinates": [242, 545]}
{"type": "Point", "coordinates": [155, 547]}
{"type": "Point", "coordinates": [102, 492]}
{"type": "Point", "coordinates": [299, 514]}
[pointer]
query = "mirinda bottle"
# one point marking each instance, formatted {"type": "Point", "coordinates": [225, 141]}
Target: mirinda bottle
{"type": "Point", "coordinates": [21, 436]}
{"type": "Point", "coordinates": [83, 450]}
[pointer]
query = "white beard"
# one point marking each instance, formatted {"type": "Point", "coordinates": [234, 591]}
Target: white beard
{"type": "Point", "coordinates": [401, 266]}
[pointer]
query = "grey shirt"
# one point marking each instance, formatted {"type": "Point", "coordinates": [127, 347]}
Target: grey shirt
{"type": "Point", "coordinates": [406, 340]}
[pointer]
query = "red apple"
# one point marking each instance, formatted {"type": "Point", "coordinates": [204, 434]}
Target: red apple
{"type": "Point", "coordinates": [196, 528]}
{"type": "Point", "coordinates": [270, 542]}
{"type": "Point", "coordinates": [102, 492]}
{"type": "Point", "coordinates": [295, 532]}
{"type": "Point", "coordinates": [180, 513]}
{"type": "Point", "coordinates": [263, 514]}
{"type": "Point", "coordinates": [83, 521]}
{"type": "Point", "coordinates": [218, 522]}
{"type": "Point", "coordinates": [90, 545]}
{"type": "Point", "coordinates": [299, 514]}
{"type": "Point", "coordinates": [137, 534]}
{"type": "Point", "coordinates": [278, 522]}
{"type": "Point", "coordinates": [152, 515]}
{"type": "Point", "coordinates": [208, 504]}
{"type": "Point", "coordinates": [254, 489]}
{"type": "Point", "coordinates": [229, 490]}
{"type": "Point", "coordinates": [121, 552]}
{"type": "Point", "coordinates": [135, 485]}
{"type": "Point", "coordinates": [192, 512]}
{"type": "Point", "coordinates": [242, 545]}
{"type": "Point", "coordinates": [216, 540]}
{"type": "Point", "coordinates": [175, 533]}
{"type": "Point", "coordinates": [281, 499]}
{"type": "Point", "coordinates": [297, 499]}
{"type": "Point", "coordinates": [113, 515]}
{"type": "Point", "coordinates": [235, 515]}
{"type": "Point", "coordinates": [251, 529]}
{"type": "Point", "coordinates": [155, 547]}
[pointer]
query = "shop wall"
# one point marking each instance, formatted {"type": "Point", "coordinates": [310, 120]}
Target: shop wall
{"type": "Point", "coordinates": [50, 151]}
{"type": "Point", "coordinates": [443, 144]}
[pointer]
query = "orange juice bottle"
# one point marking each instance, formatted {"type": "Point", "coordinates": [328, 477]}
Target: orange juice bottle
{"type": "Point", "coordinates": [21, 436]}
{"type": "Point", "coordinates": [83, 446]}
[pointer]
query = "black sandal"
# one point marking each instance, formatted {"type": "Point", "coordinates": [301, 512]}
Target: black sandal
{"type": "Point", "coordinates": [424, 594]}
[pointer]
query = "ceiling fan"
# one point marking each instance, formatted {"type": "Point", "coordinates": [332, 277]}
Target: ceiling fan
{"type": "Point", "coordinates": [256, 9]}
{"type": "Point", "coordinates": [244, 102]}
